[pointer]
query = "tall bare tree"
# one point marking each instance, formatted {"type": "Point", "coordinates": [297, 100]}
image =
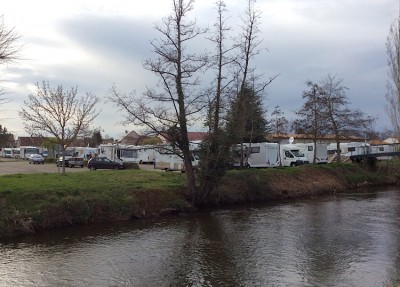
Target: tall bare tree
{"type": "Point", "coordinates": [341, 119]}
{"type": "Point", "coordinates": [169, 109]}
{"type": "Point", "coordinates": [59, 113]}
{"type": "Point", "coordinates": [249, 46]}
{"type": "Point", "coordinates": [393, 83]}
{"type": "Point", "coordinates": [215, 149]}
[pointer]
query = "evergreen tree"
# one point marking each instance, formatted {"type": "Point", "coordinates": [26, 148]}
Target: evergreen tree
{"type": "Point", "coordinates": [246, 120]}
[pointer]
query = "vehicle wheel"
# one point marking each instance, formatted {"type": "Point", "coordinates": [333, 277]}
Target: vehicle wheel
{"type": "Point", "coordinates": [71, 165]}
{"type": "Point", "coordinates": [29, 162]}
{"type": "Point", "coordinates": [81, 165]}
{"type": "Point", "coordinates": [293, 164]}
{"type": "Point", "coordinates": [92, 168]}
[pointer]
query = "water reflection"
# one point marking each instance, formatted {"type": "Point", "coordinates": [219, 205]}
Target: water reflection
{"type": "Point", "coordinates": [345, 240]}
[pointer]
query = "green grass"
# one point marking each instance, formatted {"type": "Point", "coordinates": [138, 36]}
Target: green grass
{"type": "Point", "coordinates": [90, 181]}
{"type": "Point", "coordinates": [41, 201]}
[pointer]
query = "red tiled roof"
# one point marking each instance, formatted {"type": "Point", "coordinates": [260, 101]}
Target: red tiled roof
{"type": "Point", "coordinates": [196, 136]}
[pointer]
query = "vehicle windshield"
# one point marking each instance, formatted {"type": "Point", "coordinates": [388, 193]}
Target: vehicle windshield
{"type": "Point", "coordinates": [297, 153]}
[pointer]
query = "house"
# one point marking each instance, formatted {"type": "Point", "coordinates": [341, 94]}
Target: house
{"type": "Point", "coordinates": [30, 141]}
{"type": "Point", "coordinates": [131, 138]}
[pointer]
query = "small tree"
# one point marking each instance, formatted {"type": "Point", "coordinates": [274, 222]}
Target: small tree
{"type": "Point", "coordinates": [6, 138]}
{"type": "Point", "coordinates": [96, 138]}
{"type": "Point", "coordinates": [59, 113]}
{"type": "Point", "coordinates": [279, 125]}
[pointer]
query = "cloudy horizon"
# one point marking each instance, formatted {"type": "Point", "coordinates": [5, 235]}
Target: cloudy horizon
{"type": "Point", "coordinates": [94, 44]}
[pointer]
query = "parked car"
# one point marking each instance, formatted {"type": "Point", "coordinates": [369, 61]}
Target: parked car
{"type": "Point", "coordinates": [75, 161]}
{"type": "Point", "coordinates": [104, 163]}
{"type": "Point", "coordinates": [60, 161]}
{"type": "Point", "coordinates": [36, 158]}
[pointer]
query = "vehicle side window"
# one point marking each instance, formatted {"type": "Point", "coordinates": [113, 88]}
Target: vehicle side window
{"type": "Point", "coordinates": [255, 149]}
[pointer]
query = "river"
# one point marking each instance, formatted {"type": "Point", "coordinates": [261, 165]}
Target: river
{"type": "Point", "coordinates": [342, 240]}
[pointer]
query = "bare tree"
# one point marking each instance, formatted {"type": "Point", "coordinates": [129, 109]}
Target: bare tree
{"type": "Point", "coordinates": [9, 50]}
{"type": "Point", "coordinates": [312, 118]}
{"type": "Point", "coordinates": [279, 125]}
{"type": "Point", "coordinates": [249, 46]}
{"type": "Point", "coordinates": [393, 83]}
{"type": "Point", "coordinates": [342, 120]}
{"type": "Point", "coordinates": [169, 111]}
{"type": "Point", "coordinates": [215, 149]}
{"type": "Point", "coordinates": [59, 113]}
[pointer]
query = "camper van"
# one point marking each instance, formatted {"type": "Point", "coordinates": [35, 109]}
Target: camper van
{"type": "Point", "coordinates": [8, 152]}
{"type": "Point", "coordinates": [26, 151]}
{"type": "Point", "coordinates": [349, 149]}
{"type": "Point", "coordinates": [258, 155]}
{"type": "Point", "coordinates": [128, 153]}
{"type": "Point", "coordinates": [308, 150]}
{"type": "Point", "coordinates": [291, 155]}
{"type": "Point", "coordinates": [170, 159]}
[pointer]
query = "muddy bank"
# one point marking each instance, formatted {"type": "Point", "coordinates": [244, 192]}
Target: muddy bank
{"type": "Point", "coordinates": [304, 181]}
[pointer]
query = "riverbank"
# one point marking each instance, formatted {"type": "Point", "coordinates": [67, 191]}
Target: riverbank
{"type": "Point", "coordinates": [31, 203]}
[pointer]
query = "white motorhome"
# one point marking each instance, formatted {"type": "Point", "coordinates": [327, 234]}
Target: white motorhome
{"type": "Point", "coordinates": [308, 150]}
{"type": "Point", "coordinates": [291, 155]}
{"type": "Point", "coordinates": [85, 152]}
{"type": "Point", "coordinates": [169, 159]}
{"type": "Point", "coordinates": [258, 155]}
{"type": "Point", "coordinates": [349, 149]}
{"type": "Point", "coordinates": [7, 152]}
{"type": "Point", "coordinates": [128, 153]}
{"type": "Point", "coordinates": [16, 153]}
{"type": "Point", "coordinates": [26, 151]}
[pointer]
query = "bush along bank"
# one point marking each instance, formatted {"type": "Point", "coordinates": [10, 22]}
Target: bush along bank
{"type": "Point", "coordinates": [30, 203]}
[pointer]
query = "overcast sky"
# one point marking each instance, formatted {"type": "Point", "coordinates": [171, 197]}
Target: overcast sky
{"type": "Point", "coordinates": [95, 43]}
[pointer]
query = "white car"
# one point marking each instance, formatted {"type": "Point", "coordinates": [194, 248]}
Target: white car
{"type": "Point", "coordinates": [36, 158]}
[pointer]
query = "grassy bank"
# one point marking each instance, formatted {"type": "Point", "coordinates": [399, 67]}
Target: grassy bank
{"type": "Point", "coordinates": [33, 202]}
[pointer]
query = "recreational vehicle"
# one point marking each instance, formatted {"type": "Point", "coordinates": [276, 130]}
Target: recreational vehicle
{"type": "Point", "coordinates": [321, 151]}
{"type": "Point", "coordinates": [291, 155]}
{"type": "Point", "coordinates": [26, 151]}
{"type": "Point", "coordinates": [258, 155]}
{"type": "Point", "coordinates": [349, 149]}
{"type": "Point", "coordinates": [170, 159]}
{"type": "Point", "coordinates": [128, 153]}
{"type": "Point", "coordinates": [8, 152]}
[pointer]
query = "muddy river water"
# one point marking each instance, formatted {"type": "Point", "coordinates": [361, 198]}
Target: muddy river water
{"type": "Point", "coordinates": [342, 240]}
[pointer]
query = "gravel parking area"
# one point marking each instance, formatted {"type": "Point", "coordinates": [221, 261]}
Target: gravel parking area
{"type": "Point", "coordinates": [10, 166]}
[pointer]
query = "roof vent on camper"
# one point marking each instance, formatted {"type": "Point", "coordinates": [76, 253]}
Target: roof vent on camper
{"type": "Point", "coordinates": [291, 140]}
